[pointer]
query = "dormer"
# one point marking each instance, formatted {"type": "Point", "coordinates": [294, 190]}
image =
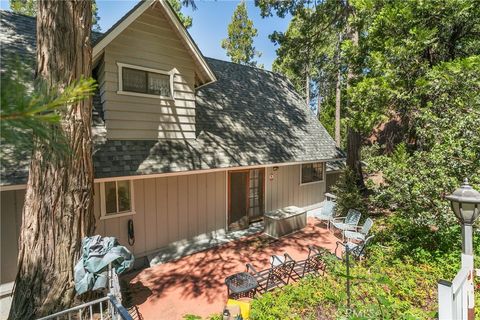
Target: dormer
{"type": "Point", "coordinates": [148, 68]}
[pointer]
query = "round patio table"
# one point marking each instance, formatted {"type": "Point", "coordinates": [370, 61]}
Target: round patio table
{"type": "Point", "coordinates": [241, 285]}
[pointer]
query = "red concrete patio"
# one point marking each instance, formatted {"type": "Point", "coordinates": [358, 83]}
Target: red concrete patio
{"type": "Point", "coordinates": [195, 284]}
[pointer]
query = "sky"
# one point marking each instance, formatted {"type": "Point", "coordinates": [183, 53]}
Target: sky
{"type": "Point", "coordinates": [210, 22]}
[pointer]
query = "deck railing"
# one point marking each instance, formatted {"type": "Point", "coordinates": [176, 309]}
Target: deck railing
{"type": "Point", "coordinates": [104, 308]}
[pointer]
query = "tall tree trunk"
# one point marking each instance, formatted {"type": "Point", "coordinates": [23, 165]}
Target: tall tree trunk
{"type": "Point", "coordinates": [338, 97]}
{"type": "Point", "coordinates": [58, 203]}
{"type": "Point", "coordinates": [354, 138]}
{"type": "Point", "coordinates": [338, 94]}
{"type": "Point", "coordinates": [307, 88]}
{"type": "Point", "coordinates": [319, 98]}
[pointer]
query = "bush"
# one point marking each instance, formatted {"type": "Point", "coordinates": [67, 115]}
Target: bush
{"type": "Point", "coordinates": [348, 195]}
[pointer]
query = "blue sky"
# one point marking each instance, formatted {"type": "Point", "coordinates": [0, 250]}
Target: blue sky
{"type": "Point", "coordinates": [210, 22]}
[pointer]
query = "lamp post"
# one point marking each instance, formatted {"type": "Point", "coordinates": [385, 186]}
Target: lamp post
{"type": "Point", "coordinates": [465, 203]}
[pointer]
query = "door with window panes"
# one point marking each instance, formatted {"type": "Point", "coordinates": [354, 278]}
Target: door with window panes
{"type": "Point", "coordinates": [246, 197]}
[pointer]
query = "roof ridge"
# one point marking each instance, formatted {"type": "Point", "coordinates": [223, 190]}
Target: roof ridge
{"type": "Point", "coordinates": [246, 65]}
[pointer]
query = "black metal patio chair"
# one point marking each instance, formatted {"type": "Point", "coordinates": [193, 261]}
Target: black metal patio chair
{"type": "Point", "coordinates": [313, 264]}
{"type": "Point", "coordinates": [276, 276]}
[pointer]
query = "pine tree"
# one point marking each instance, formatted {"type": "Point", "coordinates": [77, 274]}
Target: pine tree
{"type": "Point", "coordinates": [239, 44]}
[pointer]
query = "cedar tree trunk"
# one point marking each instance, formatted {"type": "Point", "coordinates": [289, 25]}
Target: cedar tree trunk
{"type": "Point", "coordinates": [319, 99]}
{"type": "Point", "coordinates": [58, 204]}
{"type": "Point", "coordinates": [338, 94]}
{"type": "Point", "coordinates": [354, 138]}
{"type": "Point", "coordinates": [307, 87]}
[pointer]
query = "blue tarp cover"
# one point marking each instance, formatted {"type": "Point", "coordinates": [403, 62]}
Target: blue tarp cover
{"type": "Point", "coordinates": [91, 271]}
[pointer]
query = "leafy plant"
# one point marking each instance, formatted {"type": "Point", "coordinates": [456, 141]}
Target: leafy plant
{"type": "Point", "coordinates": [348, 195]}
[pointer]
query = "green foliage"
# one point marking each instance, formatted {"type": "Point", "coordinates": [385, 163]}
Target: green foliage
{"type": "Point", "coordinates": [348, 195]}
{"type": "Point", "coordinates": [402, 43]}
{"type": "Point", "coordinates": [27, 113]}
{"type": "Point", "coordinates": [177, 7]}
{"type": "Point", "coordinates": [308, 51]}
{"type": "Point", "coordinates": [447, 148]}
{"type": "Point", "coordinates": [26, 7]}
{"type": "Point", "coordinates": [239, 44]}
{"type": "Point", "coordinates": [29, 8]}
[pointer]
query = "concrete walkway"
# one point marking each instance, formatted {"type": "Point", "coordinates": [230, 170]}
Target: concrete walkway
{"type": "Point", "coordinates": [195, 284]}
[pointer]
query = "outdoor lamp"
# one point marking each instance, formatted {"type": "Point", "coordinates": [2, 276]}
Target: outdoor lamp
{"type": "Point", "coordinates": [465, 203]}
{"type": "Point", "coordinates": [466, 206]}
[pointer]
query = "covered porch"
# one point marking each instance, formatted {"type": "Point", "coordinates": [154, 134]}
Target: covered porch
{"type": "Point", "coordinates": [194, 284]}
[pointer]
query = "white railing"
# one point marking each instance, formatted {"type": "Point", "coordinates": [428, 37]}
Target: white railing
{"type": "Point", "coordinates": [453, 296]}
{"type": "Point", "coordinates": [104, 308]}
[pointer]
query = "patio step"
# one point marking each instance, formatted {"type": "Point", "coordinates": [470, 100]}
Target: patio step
{"type": "Point", "coordinates": [183, 248]}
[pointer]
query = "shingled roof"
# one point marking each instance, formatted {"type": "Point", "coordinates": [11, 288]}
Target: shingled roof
{"type": "Point", "coordinates": [249, 116]}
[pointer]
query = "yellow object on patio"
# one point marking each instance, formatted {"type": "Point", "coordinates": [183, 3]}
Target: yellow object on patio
{"type": "Point", "coordinates": [244, 304]}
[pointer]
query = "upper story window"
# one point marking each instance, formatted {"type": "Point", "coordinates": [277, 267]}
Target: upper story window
{"type": "Point", "coordinates": [141, 81]}
{"type": "Point", "coordinates": [311, 172]}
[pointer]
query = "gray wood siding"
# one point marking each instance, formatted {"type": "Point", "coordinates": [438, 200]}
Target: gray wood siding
{"type": "Point", "coordinates": [150, 42]}
{"type": "Point", "coordinates": [285, 189]}
{"type": "Point", "coordinates": [169, 209]}
{"type": "Point", "coordinates": [10, 222]}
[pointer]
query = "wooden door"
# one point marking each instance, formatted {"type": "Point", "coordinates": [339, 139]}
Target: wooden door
{"type": "Point", "coordinates": [246, 190]}
{"type": "Point", "coordinates": [237, 216]}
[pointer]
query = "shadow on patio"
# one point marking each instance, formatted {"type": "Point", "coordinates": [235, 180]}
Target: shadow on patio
{"type": "Point", "coordinates": [195, 284]}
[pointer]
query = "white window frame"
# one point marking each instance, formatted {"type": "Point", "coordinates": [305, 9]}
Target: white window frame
{"type": "Point", "coordinates": [103, 205]}
{"type": "Point", "coordinates": [313, 182]}
{"type": "Point", "coordinates": [122, 65]}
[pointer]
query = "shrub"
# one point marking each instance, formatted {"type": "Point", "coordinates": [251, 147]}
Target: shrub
{"type": "Point", "coordinates": [348, 195]}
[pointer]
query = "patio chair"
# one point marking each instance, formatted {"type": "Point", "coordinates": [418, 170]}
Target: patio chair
{"type": "Point", "coordinates": [313, 264]}
{"type": "Point", "coordinates": [326, 213]}
{"type": "Point", "coordinates": [361, 232]}
{"type": "Point", "coordinates": [276, 276]}
{"type": "Point", "coordinates": [357, 250]}
{"type": "Point", "coordinates": [349, 222]}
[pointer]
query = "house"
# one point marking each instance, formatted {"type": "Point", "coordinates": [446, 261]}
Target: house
{"type": "Point", "coordinates": [186, 147]}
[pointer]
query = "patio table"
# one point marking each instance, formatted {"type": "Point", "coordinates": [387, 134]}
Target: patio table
{"type": "Point", "coordinates": [241, 285]}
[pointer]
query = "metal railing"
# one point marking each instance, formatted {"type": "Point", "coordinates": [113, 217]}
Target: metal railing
{"type": "Point", "coordinates": [104, 308]}
{"type": "Point", "coordinates": [453, 296]}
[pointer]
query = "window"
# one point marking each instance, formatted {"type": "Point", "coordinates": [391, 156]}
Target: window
{"type": "Point", "coordinates": [144, 81]}
{"type": "Point", "coordinates": [116, 198]}
{"type": "Point", "coordinates": [312, 172]}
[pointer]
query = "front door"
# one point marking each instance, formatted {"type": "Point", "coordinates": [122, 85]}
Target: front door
{"type": "Point", "coordinates": [246, 197]}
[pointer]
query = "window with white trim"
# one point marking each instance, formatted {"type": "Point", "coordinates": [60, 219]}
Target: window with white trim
{"type": "Point", "coordinates": [311, 172]}
{"type": "Point", "coordinates": [117, 198]}
{"type": "Point", "coordinates": [136, 80]}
